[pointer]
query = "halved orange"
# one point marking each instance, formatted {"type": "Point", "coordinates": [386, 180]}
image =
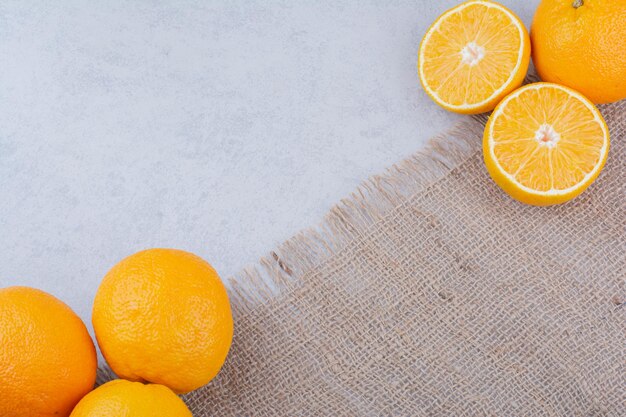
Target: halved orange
{"type": "Point", "coordinates": [473, 56]}
{"type": "Point", "coordinates": [545, 144]}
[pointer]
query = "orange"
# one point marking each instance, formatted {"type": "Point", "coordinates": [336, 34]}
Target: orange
{"type": "Point", "coordinates": [47, 358]}
{"type": "Point", "coordinates": [545, 144]}
{"type": "Point", "coordinates": [473, 56]}
{"type": "Point", "coordinates": [163, 316]}
{"type": "Point", "coordinates": [121, 398]}
{"type": "Point", "coordinates": [582, 44]}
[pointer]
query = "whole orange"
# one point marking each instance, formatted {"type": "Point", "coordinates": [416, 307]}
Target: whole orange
{"type": "Point", "coordinates": [47, 358]}
{"type": "Point", "coordinates": [121, 398]}
{"type": "Point", "coordinates": [163, 316]}
{"type": "Point", "coordinates": [582, 44]}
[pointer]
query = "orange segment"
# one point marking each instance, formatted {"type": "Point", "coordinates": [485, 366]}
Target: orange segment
{"type": "Point", "coordinates": [473, 55]}
{"type": "Point", "coordinates": [545, 144]}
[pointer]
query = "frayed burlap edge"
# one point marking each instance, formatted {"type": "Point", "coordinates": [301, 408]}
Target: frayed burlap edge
{"type": "Point", "coordinates": [354, 215]}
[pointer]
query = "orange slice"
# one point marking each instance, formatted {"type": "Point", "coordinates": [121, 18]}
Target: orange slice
{"type": "Point", "coordinates": [473, 56]}
{"type": "Point", "coordinates": [545, 144]}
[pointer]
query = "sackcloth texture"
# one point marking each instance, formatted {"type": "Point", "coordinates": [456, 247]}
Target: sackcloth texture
{"type": "Point", "coordinates": [429, 292]}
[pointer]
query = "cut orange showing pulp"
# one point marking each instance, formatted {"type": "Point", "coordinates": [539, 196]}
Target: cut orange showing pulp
{"type": "Point", "coordinates": [545, 144]}
{"type": "Point", "coordinates": [473, 56]}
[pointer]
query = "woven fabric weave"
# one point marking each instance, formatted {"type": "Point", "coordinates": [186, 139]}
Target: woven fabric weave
{"type": "Point", "coordinates": [429, 292]}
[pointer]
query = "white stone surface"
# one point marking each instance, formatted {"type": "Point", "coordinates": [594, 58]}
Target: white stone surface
{"type": "Point", "coordinates": [221, 128]}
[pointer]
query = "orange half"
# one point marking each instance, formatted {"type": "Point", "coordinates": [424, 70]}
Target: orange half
{"type": "Point", "coordinates": [545, 144]}
{"type": "Point", "coordinates": [473, 56]}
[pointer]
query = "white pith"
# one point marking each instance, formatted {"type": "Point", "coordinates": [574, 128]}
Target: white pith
{"type": "Point", "coordinates": [435, 27]}
{"type": "Point", "coordinates": [547, 136]}
{"type": "Point", "coordinates": [472, 54]}
{"type": "Point", "coordinates": [597, 118]}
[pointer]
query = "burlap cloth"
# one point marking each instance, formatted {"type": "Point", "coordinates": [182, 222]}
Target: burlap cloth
{"type": "Point", "coordinates": [429, 292]}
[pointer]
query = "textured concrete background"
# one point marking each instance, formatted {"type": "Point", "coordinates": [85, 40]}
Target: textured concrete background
{"type": "Point", "coordinates": [221, 128]}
